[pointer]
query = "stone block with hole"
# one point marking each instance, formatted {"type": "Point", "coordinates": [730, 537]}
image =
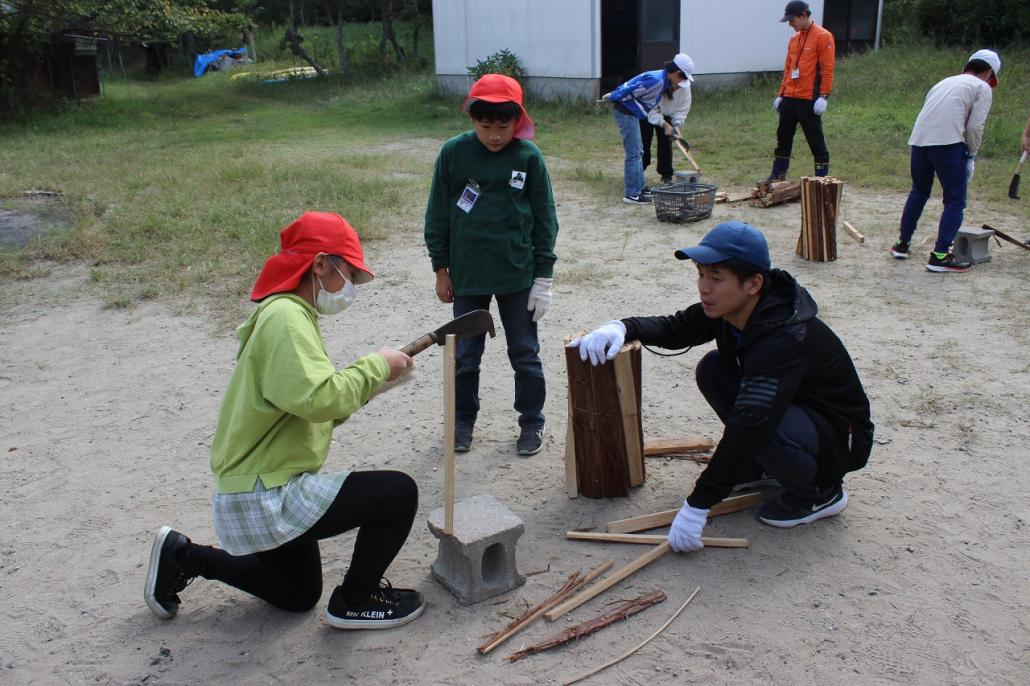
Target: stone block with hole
{"type": "Point", "coordinates": [477, 560]}
{"type": "Point", "coordinates": [972, 244]}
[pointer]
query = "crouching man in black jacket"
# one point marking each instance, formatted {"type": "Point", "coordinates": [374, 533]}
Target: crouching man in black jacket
{"type": "Point", "coordinates": [780, 380]}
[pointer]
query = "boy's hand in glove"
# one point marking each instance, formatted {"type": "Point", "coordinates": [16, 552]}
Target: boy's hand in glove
{"type": "Point", "coordinates": [685, 533]}
{"type": "Point", "coordinates": [601, 344]}
{"type": "Point", "coordinates": [819, 107]}
{"type": "Point", "coordinates": [540, 297]}
{"type": "Point", "coordinates": [776, 103]}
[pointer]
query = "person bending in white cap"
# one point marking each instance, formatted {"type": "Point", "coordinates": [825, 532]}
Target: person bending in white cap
{"type": "Point", "coordinates": [945, 140]}
{"type": "Point", "coordinates": [637, 100]}
{"type": "Point", "coordinates": [673, 109]}
{"type": "Point", "coordinates": [780, 381]}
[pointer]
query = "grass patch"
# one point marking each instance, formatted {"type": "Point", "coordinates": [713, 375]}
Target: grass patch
{"type": "Point", "coordinates": [176, 187]}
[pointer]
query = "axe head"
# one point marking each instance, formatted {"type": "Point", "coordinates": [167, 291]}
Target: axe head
{"type": "Point", "coordinates": [467, 325]}
{"type": "Point", "coordinates": [470, 324]}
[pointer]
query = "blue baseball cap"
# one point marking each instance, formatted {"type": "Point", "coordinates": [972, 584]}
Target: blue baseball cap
{"type": "Point", "coordinates": [729, 241]}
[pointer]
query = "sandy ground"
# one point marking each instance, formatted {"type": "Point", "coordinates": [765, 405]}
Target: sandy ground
{"type": "Point", "coordinates": [108, 417]}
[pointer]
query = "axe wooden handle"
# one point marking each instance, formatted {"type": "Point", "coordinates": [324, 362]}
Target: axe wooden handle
{"type": "Point", "coordinates": [419, 344]}
{"type": "Point", "coordinates": [686, 152]}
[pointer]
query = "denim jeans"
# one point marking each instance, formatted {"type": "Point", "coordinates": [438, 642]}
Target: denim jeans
{"type": "Point", "coordinates": [633, 169]}
{"type": "Point", "coordinates": [949, 163]}
{"type": "Point", "coordinates": [790, 457]}
{"type": "Point", "coordinates": [523, 353]}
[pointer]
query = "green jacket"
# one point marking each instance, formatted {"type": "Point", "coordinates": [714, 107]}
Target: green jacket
{"type": "Point", "coordinates": [507, 239]}
{"type": "Point", "coordinates": [284, 398]}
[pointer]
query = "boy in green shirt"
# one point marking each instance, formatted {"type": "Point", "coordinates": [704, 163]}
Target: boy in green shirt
{"type": "Point", "coordinates": [490, 229]}
{"type": "Point", "coordinates": [271, 505]}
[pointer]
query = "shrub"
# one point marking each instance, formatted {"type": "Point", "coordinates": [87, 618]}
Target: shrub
{"type": "Point", "coordinates": [501, 62]}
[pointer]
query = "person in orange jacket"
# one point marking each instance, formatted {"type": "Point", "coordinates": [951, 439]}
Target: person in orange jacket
{"type": "Point", "coordinates": [807, 82]}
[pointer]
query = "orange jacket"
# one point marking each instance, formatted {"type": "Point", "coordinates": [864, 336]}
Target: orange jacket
{"type": "Point", "coordinates": [811, 52]}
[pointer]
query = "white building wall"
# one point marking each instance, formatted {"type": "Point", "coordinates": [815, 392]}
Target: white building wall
{"type": "Point", "coordinates": [737, 36]}
{"type": "Point", "coordinates": [556, 39]}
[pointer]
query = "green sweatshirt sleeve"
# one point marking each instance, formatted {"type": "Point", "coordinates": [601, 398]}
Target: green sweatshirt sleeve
{"type": "Point", "coordinates": [545, 219]}
{"type": "Point", "coordinates": [300, 380]}
{"type": "Point", "coordinates": [438, 220]}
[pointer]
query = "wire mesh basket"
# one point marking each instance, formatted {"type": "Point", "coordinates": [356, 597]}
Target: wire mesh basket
{"type": "Point", "coordinates": [684, 202]}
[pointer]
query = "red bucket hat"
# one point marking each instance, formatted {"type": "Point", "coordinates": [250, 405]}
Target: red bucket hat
{"type": "Point", "coordinates": [310, 234]}
{"type": "Point", "coordinates": [501, 88]}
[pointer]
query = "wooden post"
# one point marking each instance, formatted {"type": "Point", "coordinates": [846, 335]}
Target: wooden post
{"type": "Point", "coordinates": [820, 205]}
{"type": "Point", "coordinates": [448, 433]}
{"type": "Point", "coordinates": [604, 420]}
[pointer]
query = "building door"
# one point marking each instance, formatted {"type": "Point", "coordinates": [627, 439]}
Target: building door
{"type": "Point", "coordinates": [852, 23]}
{"type": "Point", "coordinates": [636, 36]}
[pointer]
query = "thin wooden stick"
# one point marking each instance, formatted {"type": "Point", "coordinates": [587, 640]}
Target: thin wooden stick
{"type": "Point", "coordinates": [448, 433]}
{"type": "Point", "coordinates": [574, 583]}
{"type": "Point", "coordinates": [652, 521]}
{"type": "Point", "coordinates": [652, 539]}
{"type": "Point", "coordinates": [591, 626]}
{"type": "Point", "coordinates": [678, 445]}
{"type": "Point", "coordinates": [603, 585]}
{"type": "Point", "coordinates": [606, 665]}
{"type": "Point", "coordinates": [853, 231]}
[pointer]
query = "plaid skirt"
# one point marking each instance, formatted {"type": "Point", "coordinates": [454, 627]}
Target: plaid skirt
{"type": "Point", "coordinates": [267, 518]}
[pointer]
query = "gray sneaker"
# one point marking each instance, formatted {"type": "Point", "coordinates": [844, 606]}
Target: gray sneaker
{"type": "Point", "coordinates": [462, 438]}
{"type": "Point", "coordinates": [530, 441]}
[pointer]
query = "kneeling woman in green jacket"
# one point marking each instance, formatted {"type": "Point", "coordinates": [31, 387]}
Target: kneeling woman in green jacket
{"type": "Point", "coordinates": [271, 505]}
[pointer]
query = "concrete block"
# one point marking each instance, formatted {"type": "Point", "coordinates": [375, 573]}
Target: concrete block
{"type": "Point", "coordinates": [687, 177]}
{"type": "Point", "coordinates": [477, 560]}
{"type": "Point", "coordinates": [972, 243]}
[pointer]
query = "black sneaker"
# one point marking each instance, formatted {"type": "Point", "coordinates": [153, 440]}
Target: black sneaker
{"type": "Point", "coordinates": [530, 440]}
{"type": "Point", "coordinates": [385, 608]}
{"type": "Point", "coordinates": [166, 577]}
{"type": "Point", "coordinates": [638, 199]}
{"type": "Point", "coordinates": [462, 438]}
{"type": "Point", "coordinates": [666, 180]}
{"type": "Point", "coordinates": [646, 191]}
{"type": "Point", "coordinates": [788, 510]}
{"type": "Point", "coordinates": [948, 263]}
{"type": "Point", "coordinates": [900, 249]}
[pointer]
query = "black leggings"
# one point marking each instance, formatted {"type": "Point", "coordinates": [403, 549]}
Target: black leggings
{"type": "Point", "coordinates": [381, 504]}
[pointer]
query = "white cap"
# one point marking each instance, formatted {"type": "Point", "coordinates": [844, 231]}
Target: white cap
{"type": "Point", "coordinates": [991, 58]}
{"type": "Point", "coordinates": [686, 65]}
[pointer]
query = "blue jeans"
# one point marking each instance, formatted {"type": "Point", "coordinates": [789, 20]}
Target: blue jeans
{"type": "Point", "coordinates": [633, 168]}
{"type": "Point", "coordinates": [790, 457]}
{"type": "Point", "coordinates": [949, 163]}
{"type": "Point", "coordinates": [523, 353]}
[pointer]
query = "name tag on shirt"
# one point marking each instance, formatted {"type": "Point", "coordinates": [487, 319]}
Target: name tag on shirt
{"type": "Point", "coordinates": [518, 180]}
{"type": "Point", "coordinates": [795, 73]}
{"type": "Point", "coordinates": [469, 196]}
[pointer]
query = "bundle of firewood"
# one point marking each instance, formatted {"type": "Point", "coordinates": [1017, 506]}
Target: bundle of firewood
{"type": "Point", "coordinates": [768, 193]}
{"type": "Point", "coordinates": [820, 206]}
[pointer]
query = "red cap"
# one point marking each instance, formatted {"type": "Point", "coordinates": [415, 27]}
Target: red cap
{"type": "Point", "coordinates": [501, 88]}
{"type": "Point", "coordinates": [312, 233]}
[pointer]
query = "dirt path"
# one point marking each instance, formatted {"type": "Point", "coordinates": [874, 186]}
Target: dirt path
{"type": "Point", "coordinates": [923, 580]}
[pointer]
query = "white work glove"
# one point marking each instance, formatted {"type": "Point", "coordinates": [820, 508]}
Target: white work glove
{"type": "Point", "coordinates": [820, 106]}
{"type": "Point", "coordinates": [776, 103]}
{"type": "Point", "coordinates": [406, 376]}
{"type": "Point", "coordinates": [594, 345]}
{"type": "Point", "coordinates": [606, 97]}
{"type": "Point", "coordinates": [540, 296]}
{"type": "Point", "coordinates": [685, 533]}
{"type": "Point", "coordinates": [970, 168]}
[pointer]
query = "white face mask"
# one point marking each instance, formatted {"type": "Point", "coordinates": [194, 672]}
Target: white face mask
{"type": "Point", "coordinates": [334, 303]}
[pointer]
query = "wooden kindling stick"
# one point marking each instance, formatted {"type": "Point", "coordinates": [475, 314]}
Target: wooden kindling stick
{"type": "Point", "coordinates": [653, 521]}
{"type": "Point", "coordinates": [573, 584]}
{"type": "Point", "coordinates": [606, 665]}
{"type": "Point", "coordinates": [646, 539]}
{"type": "Point", "coordinates": [606, 583]}
{"type": "Point", "coordinates": [626, 609]}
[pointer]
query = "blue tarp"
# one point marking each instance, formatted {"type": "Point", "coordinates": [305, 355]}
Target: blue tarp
{"type": "Point", "coordinates": [204, 61]}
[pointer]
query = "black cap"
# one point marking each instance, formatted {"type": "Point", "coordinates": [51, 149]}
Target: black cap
{"type": "Point", "coordinates": [795, 8]}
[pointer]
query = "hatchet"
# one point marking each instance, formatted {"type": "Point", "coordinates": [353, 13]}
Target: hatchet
{"type": "Point", "coordinates": [467, 325]}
